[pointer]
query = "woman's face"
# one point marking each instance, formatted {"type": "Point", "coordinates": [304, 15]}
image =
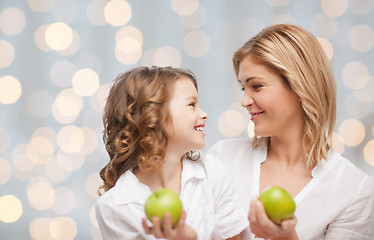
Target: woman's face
{"type": "Point", "coordinates": [274, 108]}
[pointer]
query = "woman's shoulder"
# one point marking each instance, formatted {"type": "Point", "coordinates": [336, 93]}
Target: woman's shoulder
{"type": "Point", "coordinates": [345, 169]}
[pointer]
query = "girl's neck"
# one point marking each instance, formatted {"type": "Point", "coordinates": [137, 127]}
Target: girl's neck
{"type": "Point", "coordinates": [167, 176]}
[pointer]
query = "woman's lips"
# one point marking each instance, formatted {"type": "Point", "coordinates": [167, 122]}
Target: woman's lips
{"type": "Point", "coordinates": [255, 115]}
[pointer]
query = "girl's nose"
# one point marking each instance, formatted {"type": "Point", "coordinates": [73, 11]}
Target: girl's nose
{"type": "Point", "coordinates": [204, 115]}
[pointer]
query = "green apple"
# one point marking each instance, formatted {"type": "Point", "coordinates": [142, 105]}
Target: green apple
{"type": "Point", "coordinates": [278, 203]}
{"type": "Point", "coordinates": [161, 202]}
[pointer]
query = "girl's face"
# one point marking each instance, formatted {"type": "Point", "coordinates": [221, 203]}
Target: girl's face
{"type": "Point", "coordinates": [187, 118]}
{"type": "Point", "coordinates": [275, 110]}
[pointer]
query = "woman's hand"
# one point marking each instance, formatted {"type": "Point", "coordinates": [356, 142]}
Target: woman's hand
{"type": "Point", "coordinates": [263, 227]}
{"type": "Point", "coordinates": [181, 230]}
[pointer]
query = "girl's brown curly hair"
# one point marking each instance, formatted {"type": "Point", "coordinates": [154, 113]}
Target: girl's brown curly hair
{"type": "Point", "coordinates": [135, 115]}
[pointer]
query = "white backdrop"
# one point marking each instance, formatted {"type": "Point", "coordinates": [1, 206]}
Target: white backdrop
{"type": "Point", "coordinates": [58, 58]}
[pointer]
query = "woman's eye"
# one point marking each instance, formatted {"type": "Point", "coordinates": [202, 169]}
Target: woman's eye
{"type": "Point", "coordinates": [256, 86]}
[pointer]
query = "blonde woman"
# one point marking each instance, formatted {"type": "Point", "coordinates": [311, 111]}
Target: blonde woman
{"type": "Point", "coordinates": [289, 91]}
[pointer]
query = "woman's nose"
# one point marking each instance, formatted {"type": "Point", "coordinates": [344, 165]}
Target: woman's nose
{"type": "Point", "coordinates": [246, 101]}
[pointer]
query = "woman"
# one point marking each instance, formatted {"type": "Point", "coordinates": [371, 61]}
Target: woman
{"type": "Point", "coordinates": [290, 93]}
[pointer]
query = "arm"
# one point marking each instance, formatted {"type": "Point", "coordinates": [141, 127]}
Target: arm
{"type": "Point", "coordinates": [263, 227]}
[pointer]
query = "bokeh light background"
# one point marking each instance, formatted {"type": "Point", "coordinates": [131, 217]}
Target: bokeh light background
{"type": "Point", "coordinates": [59, 57]}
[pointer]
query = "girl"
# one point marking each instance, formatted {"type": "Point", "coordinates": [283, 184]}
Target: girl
{"type": "Point", "coordinates": [152, 124]}
{"type": "Point", "coordinates": [289, 91]}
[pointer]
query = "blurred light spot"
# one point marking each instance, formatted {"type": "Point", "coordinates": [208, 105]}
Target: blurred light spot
{"type": "Point", "coordinates": [41, 5]}
{"type": "Point", "coordinates": [73, 47]}
{"type": "Point", "coordinates": [337, 143]}
{"type": "Point", "coordinates": [85, 82]}
{"type": "Point", "coordinates": [195, 20]}
{"type": "Point", "coordinates": [7, 54]}
{"type": "Point", "coordinates": [183, 7]}
{"type": "Point", "coordinates": [365, 94]}
{"type": "Point", "coordinates": [64, 201]}
{"type": "Point", "coordinates": [39, 104]}
{"type": "Point", "coordinates": [196, 43]}
{"type": "Point", "coordinates": [128, 45]}
{"type": "Point", "coordinates": [324, 26]}
{"type": "Point", "coordinates": [39, 228]}
{"type": "Point", "coordinates": [67, 106]}
{"type": "Point", "coordinates": [10, 90]}
{"type": "Point", "coordinates": [65, 11]}
{"type": "Point", "coordinates": [167, 56]}
{"type": "Point", "coordinates": [5, 171]}
{"type": "Point", "coordinates": [62, 73]}
{"type": "Point", "coordinates": [42, 146]}
{"type": "Point", "coordinates": [334, 8]}
{"type": "Point", "coordinates": [356, 108]}
{"type": "Point", "coordinates": [231, 123]}
{"type": "Point", "coordinates": [90, 140]}
{"type": "Point", "coordinates": [98, 100]}
{"type": "Point", "coordinates": [92, 184]}
{"type": "Point", "coordinates": [117, 12]}
{"type": "Point", "coordinates": [130, 32]}
{"type": "Point", "coordinates": [355, 75]}
{"type": "Point", "coordinates": [127, 58]}
{"type": "Point", "coordinates": [5, 140]}
{"type": "Point", "coordinates": [70, 139]}
{"type": "Point", "coordinates": [369, 153]}
{"type": "Point", "coordinates": [20, 159]}
{"type": "Point", "coordinates": [352, 132]}
{"type": "Point", "coordinates": [327, 46]}
{"type": "Point", "coordinates": [93, 216]}
{"type": "Point", "coordinates": [55, 172]}
{"type": "Point", "coordinates": [251, 129]}
{"type": "Point", "coordinates": [70, 161]}
{"type": "Point", "coordinates": [285, 18]}
{"type": "Point", "coordinates": [63, 228]}
{"type": "Point", "coordinates": [39, 38]}
{"type": "Point", "coordinates": [361, 38]}
{"type": "Point", "coordinates": [277, 3]}
{"type": "Point", "coordinates": [93, 119]}
{"type": "Point", "coordinates": [95, 12]}
{"type": "Point", "coordinates": [58, 36]}
{"type": "Point", "coordinates": [10, 209]}
{"type": "Point", "coordinates": [41, 195]}
{"type": "Point", "coordinates": [361, 6]}
{"type": "Point", "coordinates": [88, 60]}
{"type": "Point", "coordinates": [12, 21]}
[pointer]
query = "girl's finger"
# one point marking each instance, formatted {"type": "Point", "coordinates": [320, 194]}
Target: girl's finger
{"type": "Point", "coordinates": [146, 228]}
{"type": "Point", "coordinates": [167, 226]}
{"type": "Point", "coordinates": [156, 229]}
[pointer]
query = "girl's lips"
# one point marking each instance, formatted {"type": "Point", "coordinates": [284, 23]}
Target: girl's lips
{"type": "Point", "coordinates": [254, 115]}
{"type": "Point", "coordinates": [200, 128]}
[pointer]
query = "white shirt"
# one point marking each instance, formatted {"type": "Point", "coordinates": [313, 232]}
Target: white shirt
{"type": "Point", "coordinates": [338, 203]}
{"type": "Point", "coordinates": [207, 195]}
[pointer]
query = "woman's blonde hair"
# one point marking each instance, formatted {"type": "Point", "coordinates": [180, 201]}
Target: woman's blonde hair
{"type": "Point", "coordinates": [298, 58]}
{"type": "Point", "coordinates": [135, 117]}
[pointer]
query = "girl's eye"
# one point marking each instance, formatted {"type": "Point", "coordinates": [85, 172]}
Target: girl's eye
{"type": "Point", "coordinates": [192, 104]}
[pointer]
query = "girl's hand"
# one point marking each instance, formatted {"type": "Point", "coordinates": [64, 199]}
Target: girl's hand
{"type": "Point", "coordinates": [263, 227]}
{"type": "Point", "coordinates": [181, 230]}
